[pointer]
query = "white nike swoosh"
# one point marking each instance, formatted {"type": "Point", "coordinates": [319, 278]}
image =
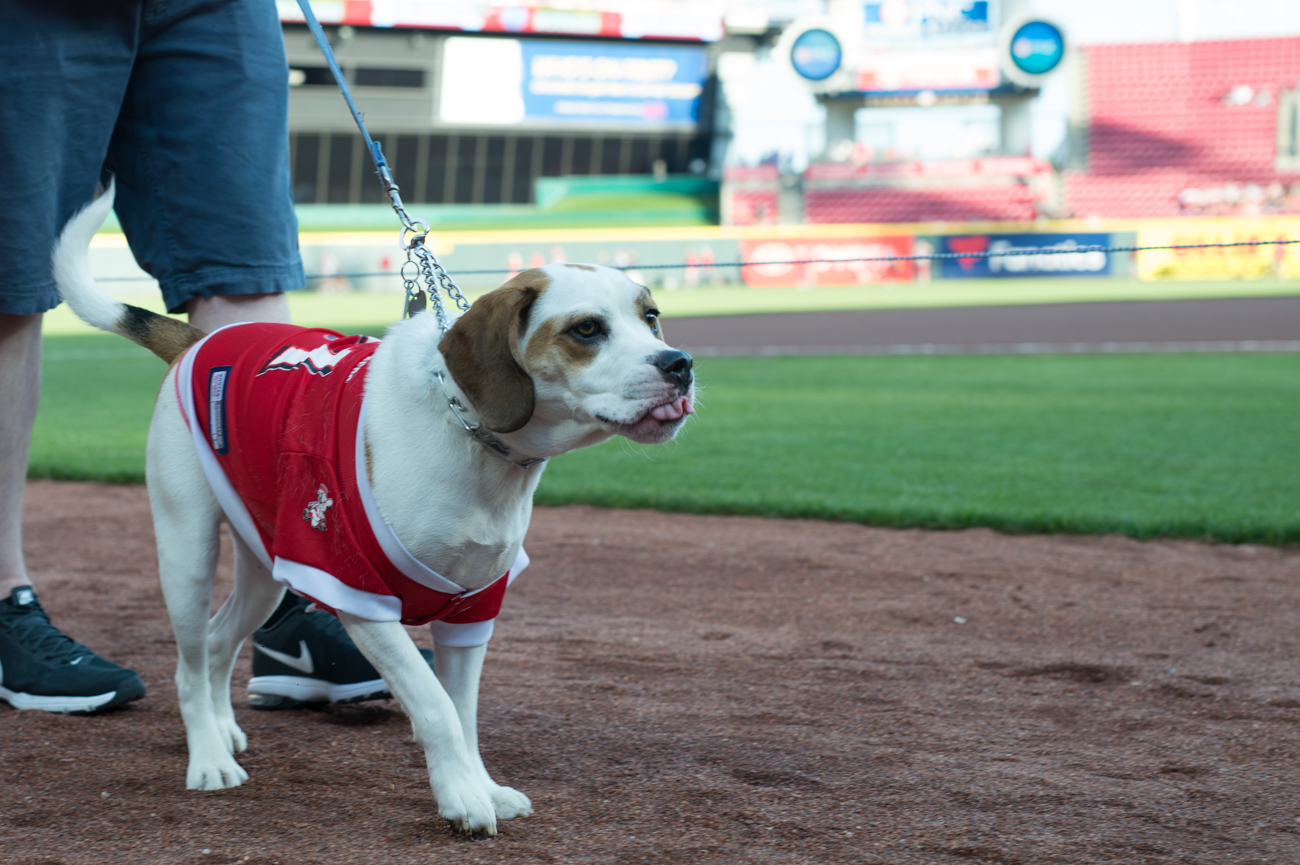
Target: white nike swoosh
{"type": "Point", "coordinates": [302, 662]}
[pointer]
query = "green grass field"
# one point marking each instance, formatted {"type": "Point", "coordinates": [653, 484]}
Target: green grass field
{"type": "Point", "coordinates": [1200, 446]}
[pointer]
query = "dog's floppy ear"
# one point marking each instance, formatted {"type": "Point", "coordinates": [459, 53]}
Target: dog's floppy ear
{"type": "Point", "coordinates": [483, 356]}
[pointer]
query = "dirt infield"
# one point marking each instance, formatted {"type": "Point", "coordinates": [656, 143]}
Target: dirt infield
{"type": "Point", "coordinates": [675, 688]}
{"type": "Point", "coordinates": [1238, 324]}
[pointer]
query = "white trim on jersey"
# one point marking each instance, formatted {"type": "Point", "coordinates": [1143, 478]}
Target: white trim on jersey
{"type": "Point", "coordinates": [389, 542]}
{"type": "Point", "coordinates": [462, 636]}
{"type": "Point", "coordinates": [333, 592]}
{"type": "Point", "coordinates": [392, 545]}
{"type": "Point", "coordinates": [241, 522]}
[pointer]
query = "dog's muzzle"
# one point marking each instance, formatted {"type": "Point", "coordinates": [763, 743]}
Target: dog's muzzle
{"type": "Point", "coordinates": [676, 368]}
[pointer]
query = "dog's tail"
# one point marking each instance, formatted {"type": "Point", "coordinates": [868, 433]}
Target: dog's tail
{"type": "Point", "coordinates": [165, 337]}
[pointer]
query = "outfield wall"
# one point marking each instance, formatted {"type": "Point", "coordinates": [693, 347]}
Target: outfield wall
{"type": "Point", "coordinates": [705, 248]}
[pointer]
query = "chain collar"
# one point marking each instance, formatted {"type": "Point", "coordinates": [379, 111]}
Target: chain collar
{"type": "Point", "coordinates": [480, 433]}
{"type": "Point", "coordinates": [420, 262]}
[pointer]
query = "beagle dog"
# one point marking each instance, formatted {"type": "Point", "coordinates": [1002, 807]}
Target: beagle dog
{"type": "Point", "coordinates": [451, 432]}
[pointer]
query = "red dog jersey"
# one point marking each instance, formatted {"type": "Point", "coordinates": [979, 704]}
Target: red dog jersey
{"type": "Point", "coordinates": [277, 416]}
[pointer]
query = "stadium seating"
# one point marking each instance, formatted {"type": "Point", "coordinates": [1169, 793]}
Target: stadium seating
{"type": "Point", "coordinates": [1173, 129]}
{"type": "Point", "coordinates": [1167, 118]}
{"type": "Point", "coordinates": [754, 207]}
{"type": "Point", "coordinates": [1011, 201]}
{"type": "Point", "coordinates": [751, 195]}
{"type": "Point", "coordinates": [942, 190]}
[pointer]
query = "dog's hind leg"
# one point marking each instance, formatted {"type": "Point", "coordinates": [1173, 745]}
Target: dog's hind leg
{"type": "Point", "coordinates": [459, 670]}
{"type": "Point", "coordinates": [187, 519]}
{"type": "Point", "coordinates": [254, 597]}
{"type": "Point", "coordinates": [462, 794]}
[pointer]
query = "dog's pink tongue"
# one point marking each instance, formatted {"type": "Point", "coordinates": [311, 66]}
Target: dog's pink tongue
{"type": "Point", "coordinates": [673, 410]}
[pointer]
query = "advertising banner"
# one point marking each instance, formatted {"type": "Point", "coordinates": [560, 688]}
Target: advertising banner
{"type": "Point", "coordinates": [896, 21]}
{"type": "Point", "coordinates": [911, 45]}
{"type": "Point", "coordinates": [552, 83]}
{"type": "Point", "coordinates": [833, 266]}
{"type": "Point", "coordinates": [1234, 262]}
{"type": "Point", "coordinates": [956, 68]}
{"type": "Point", "coordinates": [641, 19]}
{"type": "Point", "coordinates": [1056, 258]}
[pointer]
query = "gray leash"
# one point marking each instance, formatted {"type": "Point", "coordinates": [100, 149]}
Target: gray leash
{"type": "Point", "coordinates": [420, 263]}
{"type": "Point", "coordinates": [420, 260]}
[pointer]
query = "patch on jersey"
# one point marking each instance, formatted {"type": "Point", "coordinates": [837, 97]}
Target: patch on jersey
{"type": "Point", "coordinates": [319, 361]}
{"type": "Point", "coordinates": [217, 378]}
{"type": "Point", "coordinates": [315, 511]}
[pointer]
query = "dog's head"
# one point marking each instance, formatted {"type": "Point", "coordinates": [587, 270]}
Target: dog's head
{"type": "Point", "coordinates": [568, 355]}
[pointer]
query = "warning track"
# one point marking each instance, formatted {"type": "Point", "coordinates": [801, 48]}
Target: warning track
{"type": "Point", "coordinates": [1243, 324]}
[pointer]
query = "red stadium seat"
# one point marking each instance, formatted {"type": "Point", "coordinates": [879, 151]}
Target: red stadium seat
{"type": "Point", "coordinates": [754, 207]}
{"type": "Point", "coordinates": [1166, 137]}
{"type": "Point", "coordinates": [1001, 202]}
{"type": "Point", "coordinates": [1160, 123]}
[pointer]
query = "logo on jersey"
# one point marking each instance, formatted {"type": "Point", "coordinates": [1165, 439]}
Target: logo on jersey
{"type": "Point", "coordinates": [314, 513]}
{"type": "Point", "coordinates": [218, 376]}
{"type": "Point", "coordinates": [319, 361]}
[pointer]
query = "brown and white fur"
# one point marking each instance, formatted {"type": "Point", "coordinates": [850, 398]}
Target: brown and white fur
{"type": "Point", "coordinates": [560, 357]}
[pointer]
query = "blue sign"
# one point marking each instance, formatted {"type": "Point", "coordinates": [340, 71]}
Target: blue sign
{"type": "Point", "coordinates": [1030, 255]}
{"type": "Point", "coordinates": [593, 82]}
{"type": "Point", "coordinates": [816, 54]}
{"type": "Point", "coordinates": [1037, 47]}
{"type": "Point", "coordinates": [893, 19]}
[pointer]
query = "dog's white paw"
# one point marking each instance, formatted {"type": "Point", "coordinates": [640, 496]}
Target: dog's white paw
{"type": "Point", "coordinates": [469, 807]}
{"type": "Point", "coordinates": [510, 803]}
{"type": "Point", "coordinates": [214, 775]}
{"type": "Point", "coordinates": [232, 735]}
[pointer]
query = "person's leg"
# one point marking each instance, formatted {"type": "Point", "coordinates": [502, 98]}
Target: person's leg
{"type": "Point", "coordinates": [40, 667]}
{"type": "Point", "coordinates": [210, 313]}
{"type": "Point", "coordinates": [20, 391]}
{"type": "Point", "coordinates": [202, 161]}
{"type": "Point", "coordinates": [66, 69]}
{"type": "Point", "coordinates": [201, 156]}
{"type": "Point", "coordinates": [67, 65]}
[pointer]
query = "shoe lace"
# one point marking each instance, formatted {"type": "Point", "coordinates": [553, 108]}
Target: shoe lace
{"type": "Point", "coordinates": [35, 632]}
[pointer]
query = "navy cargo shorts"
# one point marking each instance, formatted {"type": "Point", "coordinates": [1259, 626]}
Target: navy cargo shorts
{"type": "Point", "coordinates": [186, 103]}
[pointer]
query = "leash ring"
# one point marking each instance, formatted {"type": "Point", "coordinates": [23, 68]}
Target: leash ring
{"type": "Point", "coordinates": [417, 237]}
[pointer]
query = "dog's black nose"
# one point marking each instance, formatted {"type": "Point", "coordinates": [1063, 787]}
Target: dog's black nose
{"type": "Point", "coordinates": [676, 367]}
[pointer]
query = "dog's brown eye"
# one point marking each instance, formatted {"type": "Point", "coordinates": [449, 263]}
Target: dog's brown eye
{"type": "Point", "coordinates": [652, 319]}
{"type": "Point", "coordinates": [587, 329]}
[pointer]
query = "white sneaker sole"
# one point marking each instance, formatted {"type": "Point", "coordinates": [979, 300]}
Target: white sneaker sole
{"type": "Point", "coordinates": [20, 700]}
{"type": "Point", "coordinates": [308, 690]}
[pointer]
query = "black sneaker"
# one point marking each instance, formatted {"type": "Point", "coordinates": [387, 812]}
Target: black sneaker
{"type": "Point", "coordinates": [304, 655]}
{"type": "Point", "coordinates": [41, 668]}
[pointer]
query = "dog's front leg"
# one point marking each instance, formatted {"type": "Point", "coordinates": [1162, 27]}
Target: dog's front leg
{"type": "Point", "coordinates": [187, 520]}
{"type": "Point", "coordinates": [457, 782]}
{"type": "Point", "coordinates": [186, 570]}
{"type": "Point", "coordinates": [255, 596]}
{"type": "Point", "coordinates": [459, 671]}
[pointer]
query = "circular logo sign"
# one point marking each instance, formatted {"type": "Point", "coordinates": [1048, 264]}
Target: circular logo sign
{"type": "Point", "coordinates": [1037, 47]}
{"type": "Point", "coordinates": [816, 54]}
